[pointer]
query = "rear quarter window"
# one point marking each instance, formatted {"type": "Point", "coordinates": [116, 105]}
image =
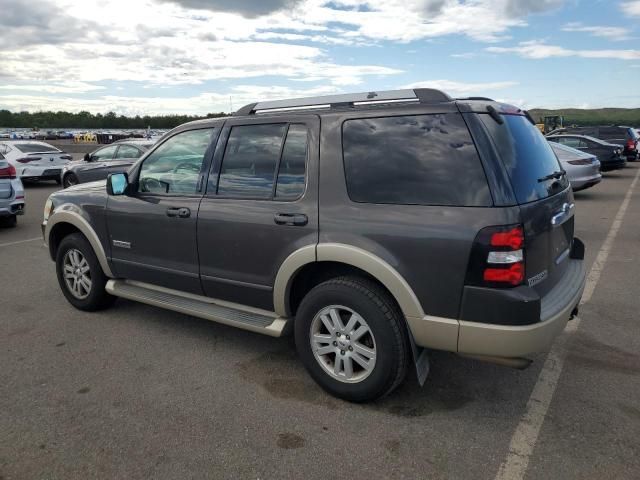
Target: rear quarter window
{"type": "Point", "coordinates": [413, 160]}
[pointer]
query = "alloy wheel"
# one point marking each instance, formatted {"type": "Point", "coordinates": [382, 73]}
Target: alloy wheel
{"type": "Point", "coordinates": [343, 344]}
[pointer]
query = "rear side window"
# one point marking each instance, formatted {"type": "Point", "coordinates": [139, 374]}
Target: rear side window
{"type": "Point", "coordinates": [527, 156]}
{"type": "Point", "coordinates": [418, 159]}
{"type": "Point", "coordinates": [255, 158]}
{"type": "Point", "coordinates": [292, 165]}
{"type": "Point", "coordinates": [127, 151]}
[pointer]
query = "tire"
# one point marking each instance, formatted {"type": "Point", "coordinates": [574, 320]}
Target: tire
{"type": "Point", "coordinates": [69, 180]}
{"type": "Point", "coordinates": [386, 337]}
{"type": "Point", "coordinates": [72, 250]}
{"type": "Point", "coordinates": [9, 222]}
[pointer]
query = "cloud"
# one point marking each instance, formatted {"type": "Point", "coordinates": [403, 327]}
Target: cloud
{"type": "Point", "coordinates": [519, 8]}
{"type": "Point", "coordinates": [461, 88]}
{"type": "Point", "coordinates": [611, 33]}
{"type": "Point", "coordinates": [246, 8]}
{"type": "Point", "coordinates": [65, 87]}
{"type": "Point", "coordinates": [154, 105]}
{"type": "Point", "coordinates": [631, 8]}
{"type": "Point", "coordinates": [539, 50]}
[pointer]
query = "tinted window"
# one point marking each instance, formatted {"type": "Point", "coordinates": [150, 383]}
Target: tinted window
{"type": "Point", "coordinates": [105, 153]}
{"type": "Point", "coordinates": [291, 175]}
{"type": "Point", "coordinates": [527, 156]}
{"type": "Point", "coordinates": [423, 159]}
{"type": "Point", "coordinates": [174, 167]}
{"type": "Point", "coordinates": [250, 160]}
{"type": "Point", "coordinates": [35, 148]}
{"type": "Point", "coordinates": [127, 151]}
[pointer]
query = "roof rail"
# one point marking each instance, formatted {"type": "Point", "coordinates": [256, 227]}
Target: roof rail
{"type": "Point", "coordinates": [487, 99]}
{"type": "Point", "coordinates": [421, 95]}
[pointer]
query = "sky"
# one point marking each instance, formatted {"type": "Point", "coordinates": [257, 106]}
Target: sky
{"type": "Point", "coordinates": [199, 56]}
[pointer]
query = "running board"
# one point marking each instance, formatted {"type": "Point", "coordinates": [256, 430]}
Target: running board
{"type": "Point", "coordinates": [234, 315]}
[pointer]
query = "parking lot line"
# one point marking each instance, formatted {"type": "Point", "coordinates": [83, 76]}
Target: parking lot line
{"type": "Point", "coordinates": [526, 434]}
{"type": "Point", "coordinates": [20, 241]}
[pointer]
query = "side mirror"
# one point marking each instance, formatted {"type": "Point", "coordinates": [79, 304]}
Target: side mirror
{"type": "Point", "coordinates": [117, 183]}
{"type": "Point", "coordinates": [87, 157]}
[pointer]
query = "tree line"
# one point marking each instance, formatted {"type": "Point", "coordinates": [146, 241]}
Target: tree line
{"type": "Point", "coordinates": [61, 120]}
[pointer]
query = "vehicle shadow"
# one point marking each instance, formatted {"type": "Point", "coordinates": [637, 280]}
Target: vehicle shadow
{"type": "Point", "coordinates": [272, 365]}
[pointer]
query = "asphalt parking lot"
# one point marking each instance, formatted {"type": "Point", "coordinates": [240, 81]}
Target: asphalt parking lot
{"type": "Point", "coordinates": [139, 392]}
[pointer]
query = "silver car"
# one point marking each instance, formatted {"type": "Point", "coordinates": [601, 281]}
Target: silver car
{"type": "Point", "coordinates": [11, 194]}
{"type": "Point", "coordinates": [583, 169]}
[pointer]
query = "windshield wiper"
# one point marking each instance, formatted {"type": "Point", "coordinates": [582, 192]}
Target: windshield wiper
{"type": "Point", "coordinates": [551, 176]}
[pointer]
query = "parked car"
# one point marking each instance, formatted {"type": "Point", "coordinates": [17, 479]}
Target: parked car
{"type": "Point", "coordinates": [11, 194]}
{"type": "Point", "coordinates": [394, 228]}
{"type": "Point", "coordinates": [627, 137]}
{"type": "Point", "coordinates": [46, 135]}
{"type": "Point", "coordinates": [583, 169]}
{"type": "Point", "coordinates": [609, 155]}
{"type": "Point", "coordinates": [35, 160]}
{"type": "Point", "coordinates": [117, 157]}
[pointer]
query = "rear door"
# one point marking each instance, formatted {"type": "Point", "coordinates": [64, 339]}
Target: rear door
{"type": "Point", "coordinates": [543, 193]}
{"type": "Point", "coordinates": [260, 206]}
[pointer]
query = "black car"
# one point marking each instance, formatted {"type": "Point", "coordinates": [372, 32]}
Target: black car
{"type": "Point", "coordinates": [610, 155]}
{"type": "Point", "coordinates": [117, 157]}
{"type": "Point", "coordinates": [627, 137]}
{"type": "Point", "coordinates": [371, 225]}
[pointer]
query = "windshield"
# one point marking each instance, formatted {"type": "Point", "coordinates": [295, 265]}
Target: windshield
{"type": "Point", "coordinates": [532, 166]}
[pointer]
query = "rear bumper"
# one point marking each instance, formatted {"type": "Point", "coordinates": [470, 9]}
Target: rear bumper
{"type": "Point", "coordinates": [40, 173]}
{"type": "Point", "coordinates": [510, 341]}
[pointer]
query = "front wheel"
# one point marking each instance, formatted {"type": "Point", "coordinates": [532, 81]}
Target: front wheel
{"type": "Point", "coordinates": [350, 336]}
{"type": "Point", "coordinates": [80, 276]}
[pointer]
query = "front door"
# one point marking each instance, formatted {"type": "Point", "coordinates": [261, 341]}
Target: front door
{"type": "Point", "coordinates": [152, 229]}
{"type": "Point", "coordinates": [260, 206]}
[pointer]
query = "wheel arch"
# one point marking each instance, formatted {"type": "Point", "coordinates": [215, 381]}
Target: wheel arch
{"type": "Point", "coordinates": [64, 221]}
{"type": "Point", "coordinates": [354, 259]}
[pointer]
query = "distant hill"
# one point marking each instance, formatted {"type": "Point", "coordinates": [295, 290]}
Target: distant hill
{"type": "Point", "coordinates": [596, 116]}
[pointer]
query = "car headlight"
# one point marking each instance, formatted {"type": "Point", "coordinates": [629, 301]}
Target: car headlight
{"type": "Point", "coordinates": [48, 209]}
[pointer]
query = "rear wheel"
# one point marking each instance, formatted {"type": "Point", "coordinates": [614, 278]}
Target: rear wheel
{"type": "Point", "coordinates": [350, 337]}
{"type": "Point", "coordinates": [80, 276]}
{"type": "Point", "coordinates": [10, 221]}
{"type": "Point", "coordinates": [69, 180]}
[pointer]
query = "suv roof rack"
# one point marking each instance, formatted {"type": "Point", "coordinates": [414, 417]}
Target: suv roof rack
{"type": "Point", "coordinates": [486, 99]}
{"type": "Point", "coordinates": [421, 95]}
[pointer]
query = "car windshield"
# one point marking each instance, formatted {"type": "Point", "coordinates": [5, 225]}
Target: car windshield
{"type": "Point", "coordinates": [35, 147]}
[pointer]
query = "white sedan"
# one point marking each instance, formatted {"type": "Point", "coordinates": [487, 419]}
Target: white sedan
{"type": "Point", "coordinates": [35, 160]}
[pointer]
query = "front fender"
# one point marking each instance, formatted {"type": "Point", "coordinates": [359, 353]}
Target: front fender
{"type": "Point", "coordinates": [71, 214]}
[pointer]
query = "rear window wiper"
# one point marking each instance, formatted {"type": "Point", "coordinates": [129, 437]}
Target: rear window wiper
{"type": "Point", "coordinates": [551, 176]}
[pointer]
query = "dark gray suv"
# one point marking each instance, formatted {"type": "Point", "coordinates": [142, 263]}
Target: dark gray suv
{"type": "Point", "coordinates": [374, 226]}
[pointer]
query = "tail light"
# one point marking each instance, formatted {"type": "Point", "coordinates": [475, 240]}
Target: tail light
{"type": "Point", "coordinates": [631, 144]}
{"type": "Point", "coordinates": [582, 161]}
{"type": "Point", "coordinates": [8, 172]}
{"type": "Point", "coordinates": [497, 257]}
{"type": "Point", "coordinates": [28, 159]}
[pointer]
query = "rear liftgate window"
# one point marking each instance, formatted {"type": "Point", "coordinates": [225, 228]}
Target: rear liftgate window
{"type": "Point", "coordinates": [532, 166]}
{"type": "Point", "coordinates": [413, 160]}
